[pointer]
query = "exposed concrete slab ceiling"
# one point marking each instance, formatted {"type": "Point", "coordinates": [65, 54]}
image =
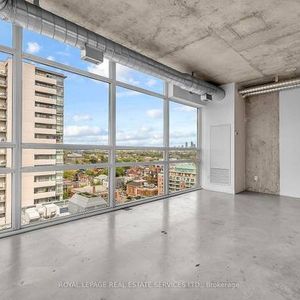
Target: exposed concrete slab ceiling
{"type": "Point", "coordinates": [220, 40]}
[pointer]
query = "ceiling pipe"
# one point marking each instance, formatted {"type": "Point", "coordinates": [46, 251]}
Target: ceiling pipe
{"type": "Point", "coordinates": [41, 21]}
{"type": "Point", "coordinates": [271, 87]}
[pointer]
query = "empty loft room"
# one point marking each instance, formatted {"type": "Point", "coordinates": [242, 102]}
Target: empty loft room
{"type": "Point", "coordinates": [150, 149]}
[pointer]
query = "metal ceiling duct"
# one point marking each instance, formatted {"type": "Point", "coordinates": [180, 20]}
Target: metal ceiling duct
{"type": "Point", "coordinates": [271, 87]}
{"type": "Point", "coordinates": [39, 20]}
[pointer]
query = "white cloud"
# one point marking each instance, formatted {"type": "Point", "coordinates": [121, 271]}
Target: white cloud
{"type": "Point", "coordinates": [51, 58]}
{"type": "Point", "coordinates": [87, 140]}
{"type": "Point", "coordinates": [185, 108]}
{"type": "Point", "coordinates": [100, 69]}
{"type": "Point", "coordinates": [127, 93]}
{"type": "Point", "coordinates": [62, 53]}
{"type": "Point", "coordinates": [83, 131]}
{"type": "Point", "coordinates": [144, 136]}
{"type": "Point", "coordinates": [33, 47]}
{"type": "Point", "coordinates": [129, 80]}
{"type": "Point", "coordinates": [147, 136]}
{"type": "Point", "coordinates": [154, 113]}
{"type": "Point", "coordinates": [183, 135]}
{"type": "Point", "coordinates": [123, 74]}
{"type": "Point", "coordinates": [151, 82]}
{"type": "Point", "coordinates": [78, 118]}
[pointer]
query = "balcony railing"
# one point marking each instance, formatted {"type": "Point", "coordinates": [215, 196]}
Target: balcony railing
{"type": "Point", "coordinates": [45, 85]}
{"type": "Point", "coordinates": [60, 82]}
{"type": "Point", "coordinates": [45, 95]}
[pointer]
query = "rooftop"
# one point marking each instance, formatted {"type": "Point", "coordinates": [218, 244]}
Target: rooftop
{"type": "Point", "coordinates": [86, 200]}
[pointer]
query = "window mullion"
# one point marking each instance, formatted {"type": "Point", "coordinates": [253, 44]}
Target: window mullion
{"type": "Point", "coordinates": [199, 147]}
{"type": "Point", "coordinates": [112, 133]}
{"type": "Point", "coordinates": [16, 198]}
{"type": "Point", "coordinates": [166, 138]}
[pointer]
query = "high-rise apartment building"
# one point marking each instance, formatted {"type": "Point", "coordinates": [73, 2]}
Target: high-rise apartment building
{"type": "Point", "coordinates": [181, 176]}
{"type": "Point", "coordinates": [42, 105]}
{"type": "Point", "coordinates": [5, 136]}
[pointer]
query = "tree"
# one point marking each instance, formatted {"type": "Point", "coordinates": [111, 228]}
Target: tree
{"type": "Point", "coordinates": [69, 174]}
{"type": "Point", "coordinates": [67, 194]}
{"type": "Point", "coordinates": [105, 172]}
{"type": "Point", "coordinates": [120, 171]}
{"type": "Point", "coordinates": [93, 159]}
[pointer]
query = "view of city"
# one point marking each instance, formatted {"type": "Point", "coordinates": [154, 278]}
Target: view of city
{"type": "Point", "coordinates": [77, 191]}
{"type": "Point", "coordinates": [56, 110]}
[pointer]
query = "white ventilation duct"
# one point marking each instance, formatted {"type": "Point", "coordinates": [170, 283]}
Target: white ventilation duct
{"type": "Point", "coordinates": [39, 20]}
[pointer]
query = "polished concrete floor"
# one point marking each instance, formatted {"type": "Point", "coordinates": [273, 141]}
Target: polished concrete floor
{"type": "Point", "coordinates": [205, 245]}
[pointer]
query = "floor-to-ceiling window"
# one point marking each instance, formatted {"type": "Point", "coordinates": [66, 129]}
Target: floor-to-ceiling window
{"type": "Point", "coordinates": [184, 150]}
{"type": "Point", "coordinates": [78, 138]}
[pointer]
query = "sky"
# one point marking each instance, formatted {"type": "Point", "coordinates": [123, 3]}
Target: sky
{"type": "Point", "coordinates": [139, 119]}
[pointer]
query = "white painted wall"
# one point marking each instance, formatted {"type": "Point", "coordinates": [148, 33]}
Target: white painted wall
{"type": "Point", "coordinates": [214, 114]}
{"type": "Point", "coordinates": [289, 141]}
{"type": "Point", "coordinates": [231, 111]}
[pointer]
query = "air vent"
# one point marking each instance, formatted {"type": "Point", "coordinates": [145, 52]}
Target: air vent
{"type": "Point", "coordinates": [185, 97]}
{"type": "Point", "coordinates": [91, 55]}
{"type": "Point", "coordinates": [220, 176]}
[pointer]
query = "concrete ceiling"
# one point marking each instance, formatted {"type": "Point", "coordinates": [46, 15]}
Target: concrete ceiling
{"type": "Point", "coordinates": [220, 40]}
